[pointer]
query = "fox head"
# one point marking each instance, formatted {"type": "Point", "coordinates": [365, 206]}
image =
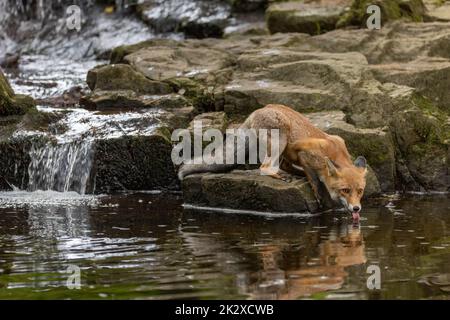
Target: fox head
{"type": "Point", "coordinates": [346, 185]}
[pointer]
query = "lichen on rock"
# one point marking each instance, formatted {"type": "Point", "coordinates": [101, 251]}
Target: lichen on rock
{"type": "Point", "coordinates": [10, 103]}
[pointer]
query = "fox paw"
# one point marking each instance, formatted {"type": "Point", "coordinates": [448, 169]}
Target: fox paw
{"type": "Point", "coordinates": [286, 177]}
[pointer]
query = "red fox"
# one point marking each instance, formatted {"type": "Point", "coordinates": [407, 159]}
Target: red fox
{"type": "Point", "coordinates": [324, 158]}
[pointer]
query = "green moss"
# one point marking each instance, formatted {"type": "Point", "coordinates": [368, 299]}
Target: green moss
{"type": "Point", "coordinates": [433, 126]}
{"type": "Point", "coordinates": [123, 77]}
{"type": "Point", "coordinates": [195, 92]}
{"type": "Point", "coordinates": [10, 103]}
{"type": "Point", "coordinates": [413, 10]}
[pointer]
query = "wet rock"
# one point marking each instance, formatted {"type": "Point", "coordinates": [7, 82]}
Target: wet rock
{"type": "Point", "coordinates": [70, 98]}
{"type": "Point", "coordinates": [123, 77]}
{"type": "Point", "coordinates": [10, 60]}
{"type": "Point", "coordinates": [198, 19]}
{"type": "Point", "coordinates": [134, 163]}
{"type": "Point", "coordinates": [249, 190]}
{"type": "Point", "coordinates": [248, 5]}
{"type": "Point", "coordinates": [313, 17]}
{"type": "Point", "coordinates": [15, 159]}
{"type": "Point", "coordinates": [11, 103]}
{"type": "Point", "coordinates": [376, 145]}
{"type": "Point", "coordinates": [124, 99]}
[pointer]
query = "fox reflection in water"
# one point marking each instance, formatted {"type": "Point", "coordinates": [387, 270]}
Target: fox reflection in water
{"type": "Point", "coordinates": [344, 248]}
{"type": "Point", "coordinates": [291, 261]}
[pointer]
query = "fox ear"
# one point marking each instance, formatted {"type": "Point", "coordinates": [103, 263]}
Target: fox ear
{"type": "Point", "coordinates": [332, 170]}
{"type": "Point", "coordinates": [361, 162]}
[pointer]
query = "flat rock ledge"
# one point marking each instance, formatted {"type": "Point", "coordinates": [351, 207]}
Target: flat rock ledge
{"type": "Point", "coordinates": [248, 190]}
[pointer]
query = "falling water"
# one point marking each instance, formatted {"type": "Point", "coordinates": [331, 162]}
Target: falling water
{"type": "Point", "coordinates": [61, 167]}
{"type": "Point", "coordinates": [65, 162]}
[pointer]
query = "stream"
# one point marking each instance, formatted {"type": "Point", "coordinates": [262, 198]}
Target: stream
{"type": "Point", "coordinates": [145, 246]}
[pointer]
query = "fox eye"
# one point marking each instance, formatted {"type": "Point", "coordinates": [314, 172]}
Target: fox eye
{"type": "Point", "coordinates": [345, 190]}
{"type": "Point", "coordinates": [360, 191]}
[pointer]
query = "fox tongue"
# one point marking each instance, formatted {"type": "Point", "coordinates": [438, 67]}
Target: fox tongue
{"type": "Point", "coordinates": [355, 215]}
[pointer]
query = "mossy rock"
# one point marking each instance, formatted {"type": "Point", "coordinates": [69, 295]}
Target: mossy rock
{"type": "Point", "coordinates": [11, 103]}
{"type": "Point", "coordinates": [123, 77]}
{"type": "Point", "coordinates": [199, 95]}
{"type": "Point", "coordinates": [422, 140]}
{"type": "Point", "coordinates": [411, 10]}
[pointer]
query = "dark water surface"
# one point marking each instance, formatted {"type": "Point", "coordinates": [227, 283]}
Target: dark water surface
{"type": "Point", "coordinates": [147, 246]}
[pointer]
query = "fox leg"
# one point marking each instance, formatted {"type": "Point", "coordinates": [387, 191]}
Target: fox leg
{"type": "Point", "coordinates": [308, 154]}
{"type": "Point", "coordinates": [310, 173]}
{"type": "Point", "coordinates": [270, 166]}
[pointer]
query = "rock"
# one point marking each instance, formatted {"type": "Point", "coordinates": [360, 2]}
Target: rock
{"type": "Point", "coordinates": [248, 5]}
{"type": "Point", "coordinates": [124, 99]}
{"type": "Point", "coordinates": [429, 76]}
{"type": "Point", "coordinates": [10, 60]}
{"type": "Point", "coordinates": [422, 135]}
{"type": "Point", "coordinates": [198, 19]}
{"type": "Point", "coordinates": [305, 81]}
{"type": "Point", "coordinates": [134, 163]}
{"type": "Point", "coordinates": [128, 154]}
{"type": "Point", "coordinates": [15, 159]}
{"type": "Point", "coordinates": [376, 145]}
{"type": "Point", "coordinates": [211, 120]}
{"type": "Point", "coordinates": [70, 98]}
{"type": "Point", "coordinates": [306, 17]}
{"type": "Point", "coordinates": [412, 10]}
{"type": "Point", "coordinates": [395, 42]}
{"type": "Point", "coordinates": [366, 77]}
{"type": "Point", "coordinates": [438, 10]}
{"type": "Point", "coordinates": [11, 103]}
{"type": "Point", "coordinates": [123, 77]}
{"type": "Point", "coordinates": [200, 96]}
{"type": "Point", "coordinates": [164, 62]}
{"type": "Point", "coordinates": [118, 53]}
{"type": "Point", "coordinates": [248, 190]}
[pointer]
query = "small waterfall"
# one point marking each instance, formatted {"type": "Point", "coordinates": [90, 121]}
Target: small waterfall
{"type": "Point", "coordinates": [61, 167]}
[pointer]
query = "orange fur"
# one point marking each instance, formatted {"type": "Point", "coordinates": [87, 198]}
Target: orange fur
{"type": "Point", "coordinates": [303, 144]}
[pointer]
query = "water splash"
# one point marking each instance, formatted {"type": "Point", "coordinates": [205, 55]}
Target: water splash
{"type": "Point", "coordinates": [60, 167]}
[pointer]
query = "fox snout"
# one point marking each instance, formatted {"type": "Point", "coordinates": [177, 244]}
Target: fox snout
{"type": "Point", "coordinates": [351, 207]}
